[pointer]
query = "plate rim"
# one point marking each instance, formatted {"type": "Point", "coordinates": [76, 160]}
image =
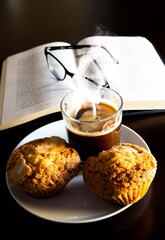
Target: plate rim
{"type": "Point", "coordinates": [25, 139]}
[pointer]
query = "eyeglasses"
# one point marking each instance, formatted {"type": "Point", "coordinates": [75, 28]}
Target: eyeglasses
{"type": "Point", "coordinates": [89, 63]}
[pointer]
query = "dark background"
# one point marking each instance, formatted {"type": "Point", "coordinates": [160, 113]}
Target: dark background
{"type": "Point", "coordinates": [28, 23]}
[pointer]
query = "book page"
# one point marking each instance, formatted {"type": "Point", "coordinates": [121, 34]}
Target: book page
{"type": "Point", "coordinates": [30, 88]}
{"type": "Point", "coordinates": [139, 75]}
{"type": "Point", "coordinates": [133, 68]}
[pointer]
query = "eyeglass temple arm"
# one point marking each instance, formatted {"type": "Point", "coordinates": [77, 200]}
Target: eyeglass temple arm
{"type": "Point", "coordinates": [67, 47]}
{"type": "Point", "coordinates": [92, 81]}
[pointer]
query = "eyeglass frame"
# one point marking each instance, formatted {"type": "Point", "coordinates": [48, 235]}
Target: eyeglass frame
{"type": "Point", "coordinates": [47, 50]}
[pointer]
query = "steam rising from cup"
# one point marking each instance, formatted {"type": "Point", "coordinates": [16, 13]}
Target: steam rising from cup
{"type": "Point", "coordinates": [91, 65]}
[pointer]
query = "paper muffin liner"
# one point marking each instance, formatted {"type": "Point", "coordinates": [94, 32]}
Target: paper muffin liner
{"type": "Point", "coordinates": [42, 194]}
{"type": "Point", "coordinates": [132, 195]}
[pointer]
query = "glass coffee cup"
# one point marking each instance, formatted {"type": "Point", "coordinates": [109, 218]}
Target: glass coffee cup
{"type": "Point", "coordinates": [92, 120]}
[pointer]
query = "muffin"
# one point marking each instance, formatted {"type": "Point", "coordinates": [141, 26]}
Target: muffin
{"type": "Point", "coordinates": [43, 167]}
{"type": "Point", "coordinates": [122, 174]}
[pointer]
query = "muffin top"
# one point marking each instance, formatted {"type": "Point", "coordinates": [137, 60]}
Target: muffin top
{"type": "Point", "coordinates": [43, 162]}
{"type": "Point", "coordinates": [122, 168]}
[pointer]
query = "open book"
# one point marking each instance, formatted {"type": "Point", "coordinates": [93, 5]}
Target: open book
{"type": "Point", "coordinates": [29, 90]}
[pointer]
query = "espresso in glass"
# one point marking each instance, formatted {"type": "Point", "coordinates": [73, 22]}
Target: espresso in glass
{"type": "Point", "coordinates": [93, 126]}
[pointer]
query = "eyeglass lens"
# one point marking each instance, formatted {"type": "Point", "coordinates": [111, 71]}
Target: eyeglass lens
{"type": "Point", "coordinates": [56, 67]}
{"type": "Point", "coordinates": [90, 64]}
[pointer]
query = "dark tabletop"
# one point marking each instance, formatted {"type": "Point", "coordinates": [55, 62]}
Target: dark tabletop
{"type": "Point", "coordinates": [28, 23]}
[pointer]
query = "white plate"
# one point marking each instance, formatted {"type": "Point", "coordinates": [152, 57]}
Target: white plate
{"type": "Point", "coordinates": [76, 204]}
